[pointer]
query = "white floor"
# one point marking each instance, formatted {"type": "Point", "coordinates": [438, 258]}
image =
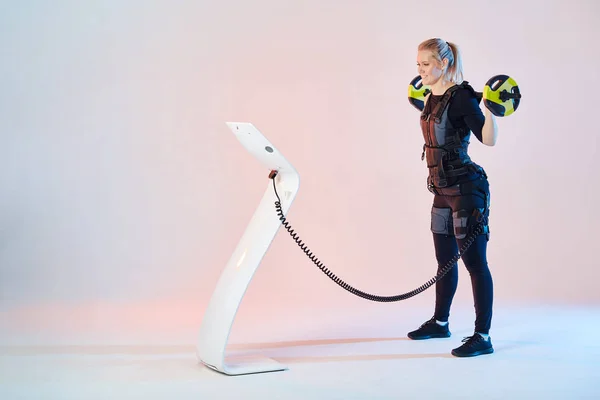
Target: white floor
{"type": "Point", "coordinates": [540, 353]}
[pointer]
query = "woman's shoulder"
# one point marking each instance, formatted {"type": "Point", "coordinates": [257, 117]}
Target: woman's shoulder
{"type": "Point", "coordinates": [465, 91]}
{"type": "Point", "coordinates": [464, 87]}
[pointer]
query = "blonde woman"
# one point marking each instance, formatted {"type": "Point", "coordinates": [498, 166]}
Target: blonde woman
{"type": "Point", "coordinates": [460, 188]}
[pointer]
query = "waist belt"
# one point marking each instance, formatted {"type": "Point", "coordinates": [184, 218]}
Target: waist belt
{"type": "Point", "coordinates": [445, 191]}
{"type": "Point", "coordinates": [460, 189]}
{"type": "Point", "coordinates": [457, 172]}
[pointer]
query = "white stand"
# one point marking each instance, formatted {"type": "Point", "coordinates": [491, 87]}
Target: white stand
{"type": "Point", "coordinates": [235, 278]}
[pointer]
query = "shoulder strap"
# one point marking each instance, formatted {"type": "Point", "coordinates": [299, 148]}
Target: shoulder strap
{"type": "Point", "coordinates": [441, 106]}
{"type": "Point", "coordinates": [478, 95]}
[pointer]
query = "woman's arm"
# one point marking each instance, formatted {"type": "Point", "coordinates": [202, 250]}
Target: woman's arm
{"type": "Point", "coordinates": [481, 123]}
{"type": "Point", "coordinates": [489, 132]}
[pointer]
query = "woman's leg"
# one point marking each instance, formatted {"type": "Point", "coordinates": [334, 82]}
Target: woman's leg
{"type": "Point", "coordinates": [481, 280]}
{"type": "Point", "coordinates": [445, 248]}
{"type": "Point", "coordinates": [445, 288]}
{"type": "Point", "coordinates": [475, 258]}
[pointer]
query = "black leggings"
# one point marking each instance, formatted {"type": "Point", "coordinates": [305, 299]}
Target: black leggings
{"type": "Point", "coordinates": [475, 259]}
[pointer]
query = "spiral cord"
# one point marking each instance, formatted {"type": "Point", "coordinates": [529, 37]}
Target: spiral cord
{"type": "Point", "coordinates": [385, 299]}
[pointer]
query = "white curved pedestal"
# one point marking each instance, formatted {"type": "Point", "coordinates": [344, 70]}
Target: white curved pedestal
{"type": "Point", "coordinates": [235, 278]}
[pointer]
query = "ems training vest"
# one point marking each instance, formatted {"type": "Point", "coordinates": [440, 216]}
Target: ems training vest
{"type": "Point", "coordinates": [445, 146]}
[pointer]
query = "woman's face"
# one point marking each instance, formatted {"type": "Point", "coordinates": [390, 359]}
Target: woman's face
{"type": "Point", "coordinates": [429, 68]}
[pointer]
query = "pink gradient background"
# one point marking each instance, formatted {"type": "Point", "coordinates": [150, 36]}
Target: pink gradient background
{"type": "Point", "coordinates": [123, 193]}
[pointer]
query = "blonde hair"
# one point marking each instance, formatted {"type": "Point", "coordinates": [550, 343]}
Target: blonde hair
{"type": "Point", "coordinates": [442, 49]}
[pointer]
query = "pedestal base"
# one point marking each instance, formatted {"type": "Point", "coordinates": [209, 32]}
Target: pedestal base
{"type": "Point", "coordinates": [247, 364]}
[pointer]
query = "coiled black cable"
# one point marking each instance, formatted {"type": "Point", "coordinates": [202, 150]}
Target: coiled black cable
{"type": "Point", "coordinates": [385, 299]}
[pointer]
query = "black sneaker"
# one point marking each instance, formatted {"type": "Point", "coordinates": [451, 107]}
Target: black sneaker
{"type": "Point", "coordinates": [474, 345]}
{"type": "Point", "coordinates": [430, 330]}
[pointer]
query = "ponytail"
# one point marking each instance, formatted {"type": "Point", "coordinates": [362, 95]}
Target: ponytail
{"type": "Point", "coordinates": [454, 72]}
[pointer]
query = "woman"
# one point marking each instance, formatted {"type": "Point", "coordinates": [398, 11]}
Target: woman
{"type": "Point", "coordinates": [460, 188]}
